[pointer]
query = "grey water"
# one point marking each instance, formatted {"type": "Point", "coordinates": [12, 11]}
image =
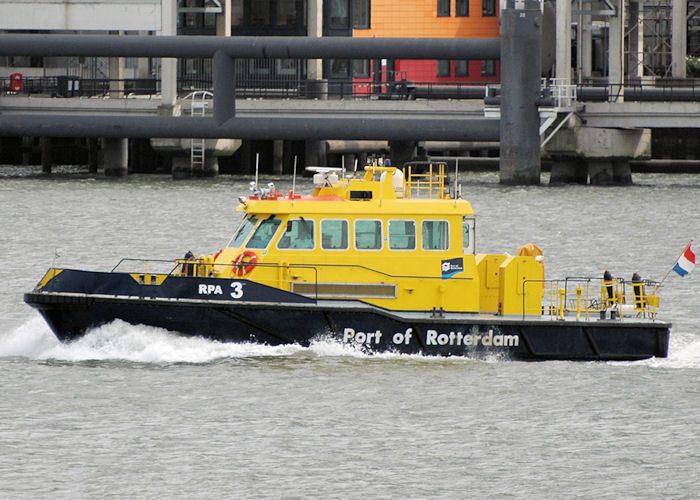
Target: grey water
{"type": "Point", "coordinates": [136, 412]}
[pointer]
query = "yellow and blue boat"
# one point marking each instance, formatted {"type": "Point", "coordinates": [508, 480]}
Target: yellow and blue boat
{"type": "Point", "coordinates": [383, 261]}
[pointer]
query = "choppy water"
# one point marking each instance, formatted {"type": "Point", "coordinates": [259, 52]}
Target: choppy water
{"type": "Point", "coordinates": [137, 412]}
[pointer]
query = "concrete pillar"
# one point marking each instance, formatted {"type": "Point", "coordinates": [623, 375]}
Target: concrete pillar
{"type": "Point", "coordinates": [116, 75]}
{"type": "Point", "coordinates": [679, 36]}
{"type": "Point", "coordinates": [143, 68]}
{"type": "Point", "coordinates": [181, 168]}
{"type": "Point", "coordinates": [568, 171]}
{"type": "Point", "coordinates": [563, 34]}
{"type": "Point", "coordinates": [315, 153]}
{"type": "Point", "coordinates": [401, 152]}
{"type": "Point", "coordinates": [636, 39]}
{"type": "Point", "coordinates": [93, 154]}
{"type": "Point", "coordinates": [314, 29]}
{"type": "Point", "coordinates": [616, 52]}
{"type": "Point", "coordinates": [168, 71]}
{"type": "Point", "coordinates": [521, 34]}
{"type": "Point", "coordinates": [46, 155]}
{"type": "Point", "coordinates": [116, 157]}
{"type": "Point", "coordinates": [585, 48]}
{"type": "Point", "coordinates": [245, 159]}
{"type": "Point", "coordinates": [600, 172]}
{"type": "Point", "coordinates": [622, 174]}
{"type": "Point", "coordinates": [211, 166]}
{"type": "Point", "coordinates": [27, 146]}
{"type": "Point", "coordinates": [278, 156]}
{"type": "Point", "coordinates": [223, 20]}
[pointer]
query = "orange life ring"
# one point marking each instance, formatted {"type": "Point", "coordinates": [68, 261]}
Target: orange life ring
{"type": "Point", "coordinates": [242, 267]}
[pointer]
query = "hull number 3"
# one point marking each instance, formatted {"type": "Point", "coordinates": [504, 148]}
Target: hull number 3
{"type": "Point", "coordinates": [209, 289]}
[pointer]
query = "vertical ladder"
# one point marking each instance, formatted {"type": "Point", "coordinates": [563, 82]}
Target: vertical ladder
{"type": "Point", "coordinates": [198, 108]}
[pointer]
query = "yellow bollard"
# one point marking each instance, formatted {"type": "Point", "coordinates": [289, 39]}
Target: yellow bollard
{"type": "Point", "coordinates": [579, 291]}
{"type": "Point", "coordinates": [561, 305]}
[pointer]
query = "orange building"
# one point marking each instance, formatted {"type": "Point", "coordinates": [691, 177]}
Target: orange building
{"type": "Point", "coordinates": [430, 19]}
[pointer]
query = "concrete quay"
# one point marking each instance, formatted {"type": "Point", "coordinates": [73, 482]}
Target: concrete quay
{"type": "Point", "coordinates": [601, 143]}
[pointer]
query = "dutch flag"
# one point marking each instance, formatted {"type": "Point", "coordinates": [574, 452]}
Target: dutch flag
{"type": "Point", "coordinates": [686, 262]}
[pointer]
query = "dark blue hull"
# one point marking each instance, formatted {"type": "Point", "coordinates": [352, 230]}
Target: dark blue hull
{"type": "Point", "coordinates": [267, 315]}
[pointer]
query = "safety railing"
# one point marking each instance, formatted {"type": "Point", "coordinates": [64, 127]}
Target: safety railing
{"type": "Point", "coordinates": [290, 274]}
{"type": "Point", "coordinates": [585, 297]}
{"type": "Point", "coordinates": [428, 183]}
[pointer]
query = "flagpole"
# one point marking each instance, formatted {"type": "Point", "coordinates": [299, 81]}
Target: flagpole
{"type": "Point", "coordinates": [674, 263]}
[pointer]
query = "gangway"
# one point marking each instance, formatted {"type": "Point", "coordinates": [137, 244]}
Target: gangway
{"type": "Point", "coordinates": [563, 96]}
{"type": "Point", "coordinates": [557, 103]}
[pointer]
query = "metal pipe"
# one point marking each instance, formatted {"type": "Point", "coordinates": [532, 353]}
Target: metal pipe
{"type": "Point", "coordinates": [291, 128]}
{"type": "Point", "coordinates": [249, 46]}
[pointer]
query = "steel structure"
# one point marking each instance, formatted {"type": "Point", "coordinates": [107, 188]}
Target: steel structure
{"type": "Point", "coordinates": [224, 123]}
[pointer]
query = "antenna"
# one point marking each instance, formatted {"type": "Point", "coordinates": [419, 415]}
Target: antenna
{"type": "Point", "coordinates": [355, 169]}
{"type": "Point", "coordinates": [294, 178]}
{"type": "Point", "coordinates": [257, 158]}
{"type": "Point", "coordinates": [456, 175]}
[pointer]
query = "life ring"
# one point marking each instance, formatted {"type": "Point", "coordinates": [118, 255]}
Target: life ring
{"type": "Point", "coordinates": [242, 267]}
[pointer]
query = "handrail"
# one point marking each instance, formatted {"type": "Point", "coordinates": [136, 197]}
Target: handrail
{"type": "Point", "coordinates": [583, 301]}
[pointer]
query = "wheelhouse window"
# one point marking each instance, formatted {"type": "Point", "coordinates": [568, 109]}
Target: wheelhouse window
{"type": "Point", "coordinates": [334, 234]}
{"type": "Point", "coordinates": [299, 233]}
{"type": "Point", "coordinates": [264, 233]}
{"type": "Point", "coordinates": [368, 234]}
{"type": "Point", "coordinates": [468, 235]}
{"type": "Point", "coordinates": [243, 231]}
{"type": "Point", "coordinates": [435, 235]}
{"type": "Point", "coordinates": [462, 8]}
{"type": "Point", "coordinates": [443, 8]}
{"type": "Point", "coordinates": [360, 13]}
{"type": "Point", "coordinates": [402, 235]}
{"type": "Point", "coordinates": [488, 8]}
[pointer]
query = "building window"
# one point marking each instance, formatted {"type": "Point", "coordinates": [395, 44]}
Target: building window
{"type": "Point", "coordinates": [462, 68]}
{"type": "Point", "coordinates": [443, 67]}
{"type": "Point", "coordinates": [260, 13]}
{"type": "Point", "coordinates": [360, 14]}
{"type": "Point", "coordinates": [462, 8]}
{"type": "Point", "coordinates": [256, 15]}
{"type": "Point", "coordinates": [488, 8]}
{"type": "Point", "coordinates": [443, 8]}
{"type": "Point", "coordinates": [360, 68]}
{"type": "Point", "coordinates": [338, 68]}
{"type": "Point", "coordinates": [339, 13]}
{"type": "Point", "coordinates": [286, 13]}
{"type": "Point", "coordinates": [488, 67]}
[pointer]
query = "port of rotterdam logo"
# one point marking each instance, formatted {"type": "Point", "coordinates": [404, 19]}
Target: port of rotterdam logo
{"type": "Point", "coordinates": [450, 267]}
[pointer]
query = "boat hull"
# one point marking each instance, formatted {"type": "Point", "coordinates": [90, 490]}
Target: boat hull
{"type": "Point", "coordinates": [267, 315]}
